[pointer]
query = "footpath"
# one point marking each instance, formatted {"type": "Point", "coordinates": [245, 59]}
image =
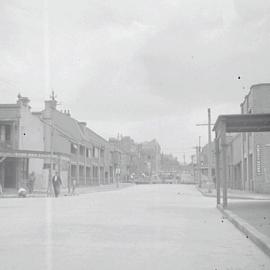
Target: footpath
{"type": "Point", "coordinates": [236, 194]}
{"type": "Point", "coordinates": [64, 191]}
{"type": "Point", "coordinates": [250, 213]}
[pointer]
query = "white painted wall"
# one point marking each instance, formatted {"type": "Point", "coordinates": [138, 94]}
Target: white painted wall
{"type": "Point", "coordinates": [31, 138]}
{"type": "Point", "coordinates": [30, 131]}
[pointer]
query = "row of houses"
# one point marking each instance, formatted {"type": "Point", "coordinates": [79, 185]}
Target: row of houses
{"type": "Point", "coordinates": [144, 158]}
{"type": "Point", "coordinates": [138, 158]}
{"type": "Point", "coordinates": [51, 140]}
{"type": "Point", "coordinates": [248, 153]}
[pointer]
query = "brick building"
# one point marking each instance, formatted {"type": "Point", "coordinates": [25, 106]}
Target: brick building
{"type": "Point", "coordinates": [149, 157]}
{"type": "Point", "coordinates": [137, 158]}
{"type": "Point", "coordinates": [128, 150]}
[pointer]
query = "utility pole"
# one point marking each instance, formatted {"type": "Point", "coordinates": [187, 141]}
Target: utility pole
{"type": "Point", "coordinates": [209, 151]}
{"type": "Point", "coordinates": [209, 154]}
{"type": "Point", "coordinates": [199, 163]}
{"type": "Point", "coordinates": [193, 169]}
{"type": "Point", "coordinates": [49, 189]}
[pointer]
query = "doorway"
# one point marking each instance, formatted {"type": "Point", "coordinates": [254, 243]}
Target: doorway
{"type": "Point", "coordinates": [10, 173]}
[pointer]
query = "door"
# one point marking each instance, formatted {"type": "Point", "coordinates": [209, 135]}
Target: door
{"type": "Point", "coordinates": [10, 173]}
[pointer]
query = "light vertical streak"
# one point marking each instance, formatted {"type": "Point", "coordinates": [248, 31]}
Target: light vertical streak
{"type": "Point", "coordinates": [46, 40]}
{"type": "Point", "coordinates": [47, 86]}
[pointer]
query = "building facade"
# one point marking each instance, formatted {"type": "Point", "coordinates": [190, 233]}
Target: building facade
{"type": "Point", "coordinates": [255, 146]}
{"type": "Point", "coordinates": [47, 141]}
{"type": "Point", "coordinates": [149, 158]}
{"type": "Point", "coordinates": [248, 153]}
{"type": "Point", "coordinates": [21, 145]}
{"type": "Point", "coordinates": [137, 158]}
{"type": "Point", "coordinates": [204, 159]}
{"type": "Point", "coordinates": [51, 140]}
{"type": "Point", "coordinates": [169, 163]}
{"type": "Point", "coordinates": [128, 151]}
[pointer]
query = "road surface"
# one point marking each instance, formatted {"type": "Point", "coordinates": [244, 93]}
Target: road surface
{"type": "Point", "coordinates": [141, 227]}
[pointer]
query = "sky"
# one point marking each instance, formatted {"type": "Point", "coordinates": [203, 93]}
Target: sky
{"type": "Point", "coordinates": [146, 68]}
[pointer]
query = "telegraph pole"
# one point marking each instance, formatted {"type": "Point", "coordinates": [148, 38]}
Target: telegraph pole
{"type": "Point", "coordinates": [193, 168]}
{"type": "Point", "coordinates": [199, 163]}
{"type": "Point", "coordinates": [209, 151]}
{"type": "Point", "coordinates": [209, 124]}
{"type": "Point", "coordinates": [49, 189]}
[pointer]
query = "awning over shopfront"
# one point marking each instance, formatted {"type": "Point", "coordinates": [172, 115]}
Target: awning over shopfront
{"type": "Point", "coordinates": [243, 123]}
{"type": "Point", "coordinates": [234, 123]}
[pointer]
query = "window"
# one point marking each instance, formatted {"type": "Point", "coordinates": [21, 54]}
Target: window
{"type": "Point", "coordinates": [87, 152]}
{"type": "Point", "coordinates": [95, 152]}
{"type": "Point", "coordinates": [8, 133]}
{"type": "Point", "coordinates": [102, 153]}
{"type": "Point", "coordinates": [5, 132]}
{"type": "Point", "coordinates": [73, 148]}
{"type": "Point", "coordinates": [82, 150]}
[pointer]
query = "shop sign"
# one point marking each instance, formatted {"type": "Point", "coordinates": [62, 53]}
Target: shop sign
{"type": "Point", "coordinates": [258, 160]}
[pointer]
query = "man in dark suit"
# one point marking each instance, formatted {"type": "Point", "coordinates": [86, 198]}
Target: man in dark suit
{"type": "Point", "coordinates": [56, 180]}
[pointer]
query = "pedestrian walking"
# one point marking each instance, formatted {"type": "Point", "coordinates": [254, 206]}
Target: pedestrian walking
{"type": "Point", "coordinates": [74, 184]}
{"type": "Point", "coordinates": [57, 182]}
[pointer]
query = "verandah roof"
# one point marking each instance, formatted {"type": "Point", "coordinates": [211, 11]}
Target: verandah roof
{"type": "Point", "coordinates": [244, 123]}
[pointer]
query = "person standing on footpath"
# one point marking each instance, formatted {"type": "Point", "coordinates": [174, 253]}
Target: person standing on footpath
{"type": "Point", "coordinates": [57, 182]}
{"type": "Point", "coordinates": [31, 182]}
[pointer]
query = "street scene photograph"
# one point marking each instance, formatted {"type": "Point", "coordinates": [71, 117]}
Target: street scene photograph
{"type": "Point", "coordinates": [134, 135]}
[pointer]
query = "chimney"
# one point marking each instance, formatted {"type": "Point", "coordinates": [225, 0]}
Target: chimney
{"type": "Point", "coordinates": [23, 100]}
{"type": "Point", "coordinates": [50, 104]}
